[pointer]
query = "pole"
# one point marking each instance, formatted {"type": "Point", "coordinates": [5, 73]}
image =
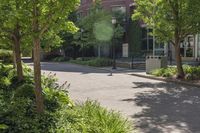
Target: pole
{"type": "Point", "coordinates": [114, 58]}
{"type": "Point", "coordinates": [82, 45]}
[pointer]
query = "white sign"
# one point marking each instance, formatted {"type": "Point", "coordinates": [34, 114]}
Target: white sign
{"type": "Point", "coordinates": [125, 50]}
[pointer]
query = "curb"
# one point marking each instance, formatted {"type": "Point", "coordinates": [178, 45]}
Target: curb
{"type": "Point", "coordinates": [167, 80]}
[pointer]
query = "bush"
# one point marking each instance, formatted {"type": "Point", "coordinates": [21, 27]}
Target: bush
{"type": "Point", "coordinates": [18, 110]}
{"type": "Point", "coordinates": [61, 59]}
{"type": "Point", "coordinates": [165, 72]}
{"type": "Point", "coordinates": [96, 62]}
{"type": "Point", "coordinates": [191, 72]}
{"type": "Point", "coordinates": [90, 117]}
{"type": "Point", "coordinates": [50, 56]}
{"type": "Point", "coordinates": [6, 56]}
{"type": "Point", "coordinates": [25, 91]}
{"type": "Point", "coordinates": [7, 74]}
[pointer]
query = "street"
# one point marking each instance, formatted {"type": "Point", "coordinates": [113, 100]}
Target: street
{"type": "Point", "coordinates": [154, 106]}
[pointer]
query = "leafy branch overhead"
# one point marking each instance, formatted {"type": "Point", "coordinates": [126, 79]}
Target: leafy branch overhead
{"type": "Point", "coordinates": [167, 16]}
{"type": "Point", "coordinates": [171, 20]}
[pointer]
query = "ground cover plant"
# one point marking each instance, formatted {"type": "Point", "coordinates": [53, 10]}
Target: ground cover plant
{"type": "Point", "coordinates": [5, 55]}
{"type": "Point", "coordinates": [18, 108]}
{"type": "Point", "coordinates": [192, 72]}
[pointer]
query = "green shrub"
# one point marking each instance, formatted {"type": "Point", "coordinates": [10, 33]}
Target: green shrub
{"type": "Point", "coordinates": [165, 72]}
{"type": "Point", "coordinates": [26, 91]}
{"type": "Point", "coordinates": [191, 72]}
{"type": "Point", "coordinates": [19, 115]}
{"type": "Point", "coordinates": [6, 56]}
{"type": "Point", "coordinates": [18, 111]}
{"type": "Point", "coordinates": [61, 59]}
{"type": "Point", "coordinates": [7, 73]}
{"type": "Point", "coordinates": [96, 62]}
{"type": "Point", "coordinates": [90, 117]}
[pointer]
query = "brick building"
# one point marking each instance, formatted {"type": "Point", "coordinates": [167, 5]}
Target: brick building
{"type": "Point", "coordinates": [140, 43]}
{"type": "Point", "coordinates": [125, 6]}
{"type": "Point", "coordinates": [109, 5]}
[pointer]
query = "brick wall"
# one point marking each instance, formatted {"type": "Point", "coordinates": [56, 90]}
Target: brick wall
{"type": "Point", "coordinates": [106, 4]}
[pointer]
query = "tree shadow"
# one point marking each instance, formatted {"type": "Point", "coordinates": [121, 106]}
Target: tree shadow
{"type": "Point", "coordinates": [67, 67]}
{"type": "Point", "coordinates": [167, 108]}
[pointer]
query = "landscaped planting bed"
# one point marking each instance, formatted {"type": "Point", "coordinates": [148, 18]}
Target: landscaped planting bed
{"type": "Point", "coordinates": [18, 111]}
{"type": "Point", "coordinates": [191, 72]}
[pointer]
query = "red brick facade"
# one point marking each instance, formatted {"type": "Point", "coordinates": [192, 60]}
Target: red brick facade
{"type": "Point", "coordinates": [106, 4]}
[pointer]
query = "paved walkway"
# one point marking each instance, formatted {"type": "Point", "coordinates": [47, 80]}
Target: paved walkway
{"type": "Point", "coordinates": [155, 106]}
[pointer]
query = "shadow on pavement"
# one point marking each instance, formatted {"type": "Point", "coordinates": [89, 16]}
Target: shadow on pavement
{"type": "Point", "coordinates": [167, 108]}
{"type": "Point", "coordinates": [66, 67]}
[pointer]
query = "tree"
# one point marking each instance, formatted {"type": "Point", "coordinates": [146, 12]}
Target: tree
{"type": "Point", "coordinates": [171, 21]}
{"type": "Point", "coordinates": [47, 15]}
{"type": "Point", "coordinates": [97, 17]}
{"type": "Point", "coordinates": [97, 27]}
{"type": "Point", "coordinates": [11, 15]}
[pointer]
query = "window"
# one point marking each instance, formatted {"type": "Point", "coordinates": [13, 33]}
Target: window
{"type": "Point", "coordinates": [159, 49]}
{"type": "Point", "coordinates": [147, 39]}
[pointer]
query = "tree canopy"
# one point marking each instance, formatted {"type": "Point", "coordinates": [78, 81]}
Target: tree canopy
{"type": "Point", "coordinates": [171, 21]}
{"type": "Point", "coordinates": [167, 16]}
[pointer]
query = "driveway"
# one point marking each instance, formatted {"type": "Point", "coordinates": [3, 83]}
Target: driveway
{"type": "Point", "coordinates": [154, 106]}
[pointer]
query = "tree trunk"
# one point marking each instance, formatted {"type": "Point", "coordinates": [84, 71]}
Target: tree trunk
{"type": "Point", "coordinates": [16, 37]}
{"type": "Point", "coordinates": [36, 52]}
{"type": "Point", "coordinates": [37, 76]}
{"type": "Point", "coordinates": [180, 74]}
{"type": "Point", "coordinates": [14, 59]}
{"type": "Point", "coordinates": [18, 59]}
{"type": "Point", "coordinates": [177, 37]}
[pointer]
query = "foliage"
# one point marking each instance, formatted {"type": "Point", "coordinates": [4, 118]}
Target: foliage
{"type": "Point", "coordinates": [160, 15]}
{"type": "Point", "coordinates": [96, 62]}
{"type": "Point", "coordinates": [97, 16]}
{"type": "Point", "coordinates": [103, 31]}
{"type": "Point", "coordinates": [18, 102]}
{"type": "Point", "coordinates": [61, 59]}
{"type": "Point", "coordinates": [192, 72]}
{"type": "Point", "coordinates": [97, 27]}
{"type": "Point", "coordinates": [18, 110]}
{"type": "Point", "coordinates": [6, 55]}
{"type": "Point", "coordinates": [90, 117]}
{"type": "Point", "coordinates": [165, 72]}
{"type": "Point", "coordinates": [171, 21]}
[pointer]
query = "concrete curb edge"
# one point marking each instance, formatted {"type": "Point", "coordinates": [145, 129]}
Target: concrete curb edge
{"type": "Point", "coordinates": [166, 80]}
